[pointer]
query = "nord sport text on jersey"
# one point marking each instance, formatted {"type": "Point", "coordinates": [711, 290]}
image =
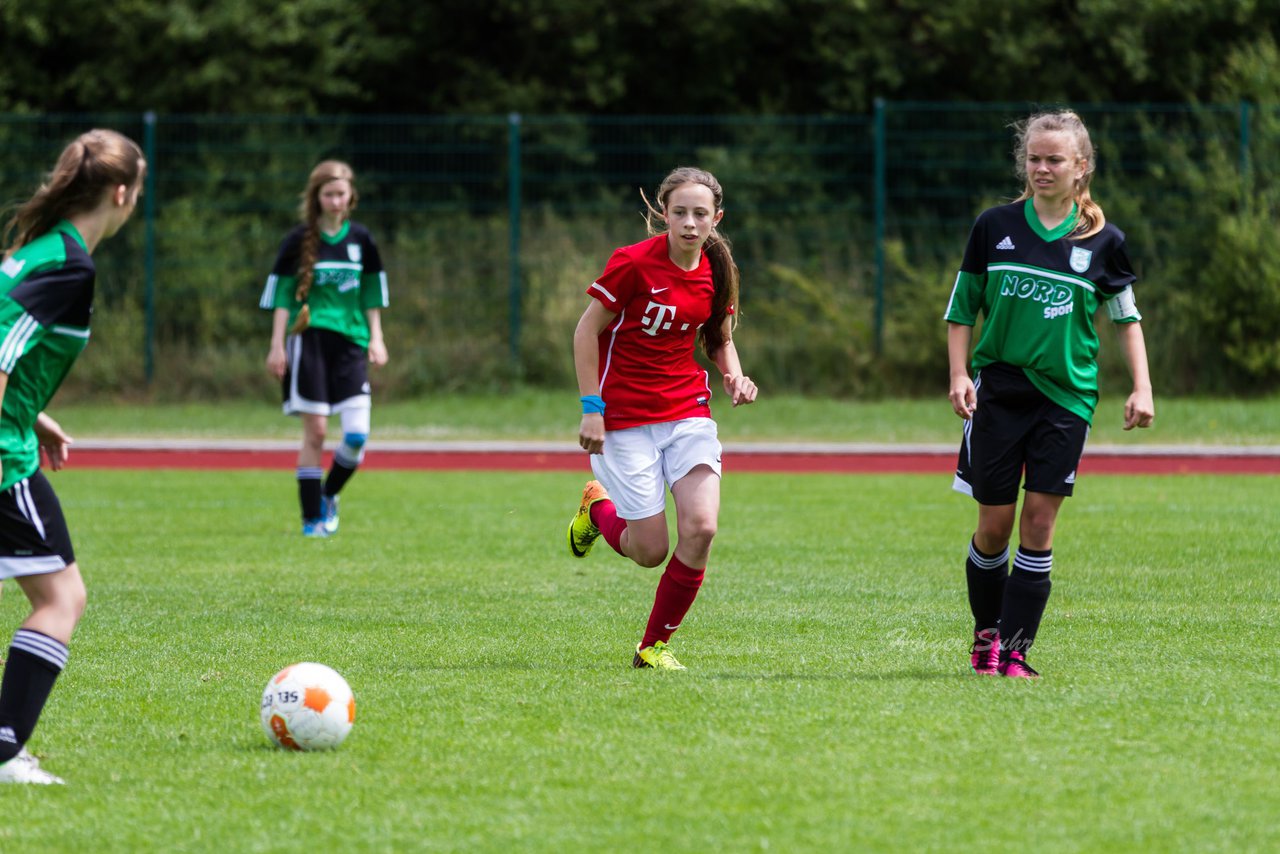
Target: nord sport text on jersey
{"type": "Point", "coordinates": [1057, 296]}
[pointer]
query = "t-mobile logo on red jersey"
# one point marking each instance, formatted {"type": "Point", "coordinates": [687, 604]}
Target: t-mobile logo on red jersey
{"type": "Point", "coordinates": [660, 318]}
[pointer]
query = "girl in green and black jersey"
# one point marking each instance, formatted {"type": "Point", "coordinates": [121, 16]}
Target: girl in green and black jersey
{"type": "Point", "coordinates": [46, 299]}
{"type": "Point", "coordinates": [1036, 270]}
{"type": "Point", "coordinates": [326, 293]}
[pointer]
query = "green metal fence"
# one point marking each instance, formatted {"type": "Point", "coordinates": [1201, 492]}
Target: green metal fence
{"type": "Point", "coordinates": [492, 226]}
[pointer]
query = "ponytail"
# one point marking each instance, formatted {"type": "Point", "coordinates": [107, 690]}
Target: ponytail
{"type": "Point", "coordinates": [724, 274]}
{"type": "Point", "coordinates": [1089, 217]}
{"type": "Point", "coordinates": [719, 251]}
{"type": "Point", "coordinates": [90, 166]}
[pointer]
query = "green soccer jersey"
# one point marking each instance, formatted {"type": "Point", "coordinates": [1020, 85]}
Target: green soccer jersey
{"type": "Point", "coordinates": [1038, 290]}
{"type": "Point", "coordinates": [46, 298]}
{"type": "Point", "coordinates": [349, 280]}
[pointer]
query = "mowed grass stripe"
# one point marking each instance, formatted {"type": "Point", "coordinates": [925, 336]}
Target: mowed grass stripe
{"type": "Point", "coordinates": [827, 705]}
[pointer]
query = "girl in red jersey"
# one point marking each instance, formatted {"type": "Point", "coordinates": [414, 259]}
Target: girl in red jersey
{"type": "Point", "coordinates": [646, 415]}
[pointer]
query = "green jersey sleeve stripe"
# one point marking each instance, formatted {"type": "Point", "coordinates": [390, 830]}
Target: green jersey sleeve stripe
{"type": "Point", "coordinates": [73, 331]}
{"type": "Point", "coordinates": [966, 296]}
{"type": "Point", "coordinates": [952, 301]}
{"type": "Point", "coordinates": [269, 292]}
{"type": "Point", "coordinates": [16, 341]}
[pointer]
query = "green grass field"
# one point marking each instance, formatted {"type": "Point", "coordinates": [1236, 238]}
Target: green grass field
{"type": "Point", "coordinates": [544, 415]}
{"type": "Point", "coordinates": [827, 705]}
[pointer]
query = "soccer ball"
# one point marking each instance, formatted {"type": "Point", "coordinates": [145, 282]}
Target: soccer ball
{"type": "Point", "coordinates": [308, 706]}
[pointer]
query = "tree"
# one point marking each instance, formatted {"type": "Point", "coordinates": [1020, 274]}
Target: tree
{"type": "Point", "coordinates": [600, 56]}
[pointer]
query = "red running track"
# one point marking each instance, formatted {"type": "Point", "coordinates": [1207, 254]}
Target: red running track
{"type": "Point", "coordinates": [797, 462]}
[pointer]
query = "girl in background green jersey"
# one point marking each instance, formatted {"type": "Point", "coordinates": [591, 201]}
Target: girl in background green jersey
{"type": "Point", "coordinates": [326, 294]}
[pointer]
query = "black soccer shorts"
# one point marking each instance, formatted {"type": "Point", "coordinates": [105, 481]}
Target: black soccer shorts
{"type": "Point", "coordinates": [1016, 428]}
{"type": "Point", "coordinates": [326, 373]}
{"type": "Point", "coordinates": [33, 532]}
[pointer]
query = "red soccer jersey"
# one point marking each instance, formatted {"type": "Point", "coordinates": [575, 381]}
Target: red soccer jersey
{"type": "Point", "coordinates": [648, 373]}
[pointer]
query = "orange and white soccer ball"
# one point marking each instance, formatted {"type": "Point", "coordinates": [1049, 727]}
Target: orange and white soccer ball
{"type": "Point", "coordinates": [308, 706]}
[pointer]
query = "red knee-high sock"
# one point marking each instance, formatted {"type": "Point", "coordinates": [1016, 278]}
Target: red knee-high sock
{"type": "Point", "coordinates": [677, 589]}
{"type": "Point", "coordinates": [605, 517]}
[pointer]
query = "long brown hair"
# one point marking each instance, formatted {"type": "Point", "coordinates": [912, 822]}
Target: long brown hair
{"type": "Point", "coordinates": [719, 251]}
{"type": "Point", "coordinates": [1089, 218]}
{"type": "Point", "coordinates": [91, 165]}
{"type": "Point", "coordinates": [309, 212]}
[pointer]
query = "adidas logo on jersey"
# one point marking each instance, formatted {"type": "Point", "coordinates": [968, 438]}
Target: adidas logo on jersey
{"type": "Point", "coordinates": [1007, 243]}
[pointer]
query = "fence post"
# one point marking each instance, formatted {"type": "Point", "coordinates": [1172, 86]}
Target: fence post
{"type": "Point", "coordinates": [149, 251]}
{"type": "Point", "coordinates": [513, 213]}
{"type": "Point", "coordinates": [1244, 153]}
{"type": "Point", "coordinates": [881, 202]}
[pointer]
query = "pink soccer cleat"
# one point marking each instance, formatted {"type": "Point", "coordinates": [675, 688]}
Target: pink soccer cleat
{"type": "Point", "coordinates": [1016, 667]}
{"type": "Point", "coordinates": [984, 655]}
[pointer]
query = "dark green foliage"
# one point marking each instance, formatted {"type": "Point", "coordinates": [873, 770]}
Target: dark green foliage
{"type": "Point", "coordinates": [801, 205]}
{"type": "Point", "coordinates": [416, 95]}
{"type": "Point", "coordinates": [605, 57]}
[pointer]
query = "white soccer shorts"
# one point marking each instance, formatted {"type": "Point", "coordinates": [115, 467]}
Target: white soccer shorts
{"type": "Point", "coordinates": [640, 463]}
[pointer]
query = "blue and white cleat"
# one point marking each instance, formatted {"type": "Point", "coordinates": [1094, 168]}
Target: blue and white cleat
{"type": "Point", "coordinates": [329, 513]}
{"type": "Point", "coordinates": [314, 528]}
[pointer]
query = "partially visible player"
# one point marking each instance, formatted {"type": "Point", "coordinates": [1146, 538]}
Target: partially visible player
{"type": "Point", "coordinates": [646, 402]}
{"type": "Point", "coordinates": [327, 291]}
{"type": "Point", "coordinates": [46, 300]}
{"type": "Point", "coordinates": [1037, 270]}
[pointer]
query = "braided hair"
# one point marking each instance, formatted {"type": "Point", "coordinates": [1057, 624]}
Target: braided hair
{"type": "Point", "coordinates": [309, 212]}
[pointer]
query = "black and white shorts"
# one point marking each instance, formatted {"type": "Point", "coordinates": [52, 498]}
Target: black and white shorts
{"type": "Point", "coordinates": [1017, 427]}
{"type": "Point", "coordinates": [326, 373]}
{"type": "Point", "coordinates": [33, 532]}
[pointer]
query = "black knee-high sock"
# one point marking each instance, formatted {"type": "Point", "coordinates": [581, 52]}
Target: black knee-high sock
{"type": "Point", "coordinates": [309, 491]}
{"type": "Point", "coordinates": [34, 662]}
{"type": "Point", "coordinates": [986, 575]}
{"type": "Point", "coordinates": [1025, 595]}
{"type": "Point", "coordinates": [339, 473]}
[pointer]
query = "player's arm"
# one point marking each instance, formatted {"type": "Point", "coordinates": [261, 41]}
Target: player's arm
{"type": "Point", "coordinates": [1140, 408]}
{"type": "Point", "coordinates": [4, 385]}
{"type": "Point", "coordinates": [964, 398]}
{"type": "Point", "coordinates": [374, 297]}
{"type": "Point", "coordinates": [586, 363]}
{"type": "Point", "coordinates": [53, 440]}
{"type": "Point", "coordinates": [32, 305]}
{"type": "Point", "coordinates": [737, 385]}
{"type": "Point", "coordinates": [377, 347]}
{"type": "Point", "coordinates": [275, 353]}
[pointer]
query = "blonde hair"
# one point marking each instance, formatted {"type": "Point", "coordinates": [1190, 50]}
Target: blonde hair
{"type": "Point", "coordinates": [91, 165]}
{"type": "Point", "coordinates": [1089, 218]}
{"type": "Point", "coordinates": [724, 272]}
{"type": "Point", "coordinates": [309, 211]}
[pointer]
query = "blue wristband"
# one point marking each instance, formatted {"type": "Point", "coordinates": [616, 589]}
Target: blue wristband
{"type": "Point", "coordinates": [592, 403]}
